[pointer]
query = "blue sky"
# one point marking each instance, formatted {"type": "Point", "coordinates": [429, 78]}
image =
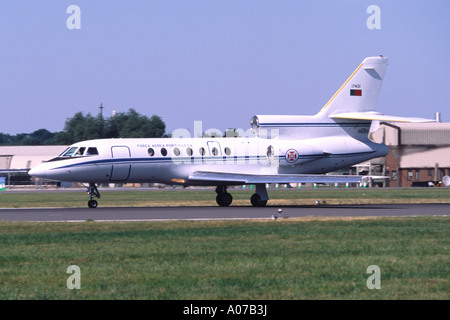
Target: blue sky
{"type": "Point", "coordinates": [219, 61]}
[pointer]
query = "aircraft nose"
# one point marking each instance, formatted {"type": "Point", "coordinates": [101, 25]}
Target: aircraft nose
{"type": "Point", "coordinates": [38, 172]}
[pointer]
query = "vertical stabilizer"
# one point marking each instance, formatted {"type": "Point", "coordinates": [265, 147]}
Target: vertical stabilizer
{"type": "Point", "coordinates": [361, 90]}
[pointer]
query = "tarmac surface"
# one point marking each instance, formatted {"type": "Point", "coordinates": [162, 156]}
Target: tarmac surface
{"type": "Point", "coordinates": [219, 213]}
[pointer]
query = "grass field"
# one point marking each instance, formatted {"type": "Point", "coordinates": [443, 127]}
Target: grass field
{"type": "Point", "coordinates": [190, 197]}
{"type": "Point", "coordinates": [274, 259]}
{"type": "Point", "coordinates": [310, 258]}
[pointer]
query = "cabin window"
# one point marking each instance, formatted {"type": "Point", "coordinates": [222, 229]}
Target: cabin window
{"type": "Point", "coordinates": [151, 152]}
{"type": "Point", "coordinates": [92, 151]}
{"type": "Point", "coordinates": [163, 152]}
{"type": "Point", "coordinates": [202, 151]}
{"type": "Point", "coordinates": [189, 151]}
{"type": "Point", "coordinates": [227, 151]}
{"type": "Point", "coordinates": [176, 152]}
{"type": "Point", "coordinates": [214, 151]}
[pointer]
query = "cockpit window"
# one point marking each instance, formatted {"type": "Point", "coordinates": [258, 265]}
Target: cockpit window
{"type": "Point", "coordinates": [70, 152]}
{"type": "Point", "coordinates": [92, 151]}
{"type": "Point", "coordinates": [80, 152]}
{"type": "Point", "coordinates": [76, 152]}
{"type": "Point", "coordinates": [62, 153]}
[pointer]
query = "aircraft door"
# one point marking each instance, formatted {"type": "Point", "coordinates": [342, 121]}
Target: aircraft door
{"type": "Point", "coordinates": [121, 167]}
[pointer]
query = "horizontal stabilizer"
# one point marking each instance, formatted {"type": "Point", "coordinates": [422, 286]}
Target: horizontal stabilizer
{"type": "Point", "coordinates": [377, 117]}
{"type": "Point", "coordinates": [215, 178]}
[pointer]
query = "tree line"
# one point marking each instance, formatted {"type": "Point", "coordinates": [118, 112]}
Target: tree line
{"type": "Point", "coordinates": [81, 127]}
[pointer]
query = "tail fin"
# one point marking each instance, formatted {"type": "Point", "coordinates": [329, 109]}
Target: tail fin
{"type": "Point", "coordinates": [349, 111]}
{"type": "Point", "coordinates": [361, 90]}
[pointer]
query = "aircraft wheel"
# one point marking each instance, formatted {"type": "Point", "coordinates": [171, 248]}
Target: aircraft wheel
{"type": "Point", "coordinates": [92, 204]}
{"type": "Point", "coordinates": [256, 201]}
{"type": "Point", "coordinates": [224, 199]}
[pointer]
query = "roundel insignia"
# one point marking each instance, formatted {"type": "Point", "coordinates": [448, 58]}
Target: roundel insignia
{"type": "Point", "coordinates": [291, 155]}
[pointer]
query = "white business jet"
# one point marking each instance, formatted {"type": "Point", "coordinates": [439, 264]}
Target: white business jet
{"type": "Point", "coordinates": [283, 149]}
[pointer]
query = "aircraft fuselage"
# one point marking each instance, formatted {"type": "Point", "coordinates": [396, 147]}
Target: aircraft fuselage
{"type": "Point", "coordinates": [172, 161]}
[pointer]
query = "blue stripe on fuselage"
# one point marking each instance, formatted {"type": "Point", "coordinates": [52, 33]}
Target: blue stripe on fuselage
{"type": "Point", "coordinates": [209, 159]}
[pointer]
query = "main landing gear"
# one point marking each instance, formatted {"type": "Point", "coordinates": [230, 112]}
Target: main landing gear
{"type": "Point", "coordinates": [258, 199]}
{"type": "Point", "coordinates": [93, 192]}
{"type": "Point", "coordinates": [223, 198]}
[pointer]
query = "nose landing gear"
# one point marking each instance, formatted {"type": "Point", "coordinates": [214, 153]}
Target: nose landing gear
{"type": "Point", "coordinates": [93, 192]}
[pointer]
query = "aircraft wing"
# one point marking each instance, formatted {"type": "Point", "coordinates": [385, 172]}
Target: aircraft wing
{"type": "Point", "coordinates": [215, 178]}
{"type": "Point", "coordinates": [377, 116]}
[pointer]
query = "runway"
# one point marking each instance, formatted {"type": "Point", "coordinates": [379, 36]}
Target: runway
{"type": "Point", "coordinates": [219, 213]}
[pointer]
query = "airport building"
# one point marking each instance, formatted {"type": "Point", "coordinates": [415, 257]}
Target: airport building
{"type": "Point", "coordinates": [15, 161]}
{"type": "Point", "coordinates": [419, 153]}
{"type": "Point", "coordinates": [419, 156]}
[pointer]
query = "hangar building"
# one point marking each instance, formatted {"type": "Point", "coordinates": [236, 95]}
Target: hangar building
{"type": "Point", "coordinates": [419, 153]}
{"type": "Point", "coordinates": [15, 161]}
